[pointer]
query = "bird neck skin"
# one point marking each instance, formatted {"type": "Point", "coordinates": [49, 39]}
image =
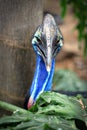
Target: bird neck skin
{"type": "Point", "coordinates": [42, 79]}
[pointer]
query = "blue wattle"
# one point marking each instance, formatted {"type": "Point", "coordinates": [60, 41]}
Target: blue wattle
{"type": "Point", "coordinates": [42, 79]}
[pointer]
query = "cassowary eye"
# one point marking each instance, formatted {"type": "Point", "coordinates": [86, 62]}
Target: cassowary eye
{"type": "Point", "coordinates": [57, 41]}
{"type": "Point", "coordinates": [38, 40]}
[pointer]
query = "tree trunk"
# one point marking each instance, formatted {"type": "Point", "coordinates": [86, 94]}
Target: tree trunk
{"type": "Point", "coordinates": [18, 21]}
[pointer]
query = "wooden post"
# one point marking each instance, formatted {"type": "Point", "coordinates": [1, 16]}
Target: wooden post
{"type": "Point", "coordinates": [18, 21]}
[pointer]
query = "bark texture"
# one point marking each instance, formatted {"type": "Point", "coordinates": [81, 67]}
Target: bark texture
{"type": "Point", "coordinates": [18, 21]}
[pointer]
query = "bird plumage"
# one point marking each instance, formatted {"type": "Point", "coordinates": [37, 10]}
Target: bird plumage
{"type": "Point", "coordinates": [47, 42]}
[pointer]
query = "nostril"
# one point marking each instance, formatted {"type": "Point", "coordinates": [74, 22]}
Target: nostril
{"type": "Point", "coordinates": [49, 46]}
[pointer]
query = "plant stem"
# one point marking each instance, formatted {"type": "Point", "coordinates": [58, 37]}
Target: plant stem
{"type": "Point", "coordinates": [11, 108]}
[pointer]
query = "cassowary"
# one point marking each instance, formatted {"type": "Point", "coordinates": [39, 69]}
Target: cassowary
{"type": "Point", "coordinates": [47, 42]}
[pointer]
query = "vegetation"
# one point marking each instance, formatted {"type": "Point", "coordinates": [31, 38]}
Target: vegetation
{"type": "Point", "coordinates": [80, 12]}
{"type": "Point", "coordinates": [52, 111]}
{"type": "Point", "coordinates": [63, 78]}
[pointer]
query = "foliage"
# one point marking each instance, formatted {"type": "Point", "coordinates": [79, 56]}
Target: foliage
{"type": "Point", "coordinates": [80, 12]}
{"type": "Point", "coordinates": [63, 78]}
{"type": "Point", "coordinates": [52, 111]}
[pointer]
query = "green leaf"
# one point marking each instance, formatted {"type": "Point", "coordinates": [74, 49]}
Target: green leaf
{"type": "Point", "coordinates": [85, 47]}
{"type": "Point", "coordinates": [63, 4]}
{"type": "Point", "coordinates": [11, 108]}
{"type": "Point", "coordinates": [52, 111]}
{"type": "Point", "coordinates": [68, 80]}
{"type": "Point", "coordinates": [52, 103]}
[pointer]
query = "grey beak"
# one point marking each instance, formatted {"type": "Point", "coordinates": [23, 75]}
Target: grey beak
{"type": "Point", "coordinates": [49, 57]}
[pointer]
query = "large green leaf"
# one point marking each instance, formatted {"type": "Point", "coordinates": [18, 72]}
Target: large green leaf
{"type": "Point", "coordinates": [38, 121]}
{"type": "Point", "coordinates": [52, 103]}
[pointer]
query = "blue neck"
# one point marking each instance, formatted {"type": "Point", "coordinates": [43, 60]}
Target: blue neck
{"type": "Point", "coordinates": [42, 79]}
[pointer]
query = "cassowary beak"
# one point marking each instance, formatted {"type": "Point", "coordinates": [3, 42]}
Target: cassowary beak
{"type": "Point", "coordinates": [49, 57]}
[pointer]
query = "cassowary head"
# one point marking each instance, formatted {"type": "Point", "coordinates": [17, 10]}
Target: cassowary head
{"type": "Point", "coordinates": [47, 40]}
